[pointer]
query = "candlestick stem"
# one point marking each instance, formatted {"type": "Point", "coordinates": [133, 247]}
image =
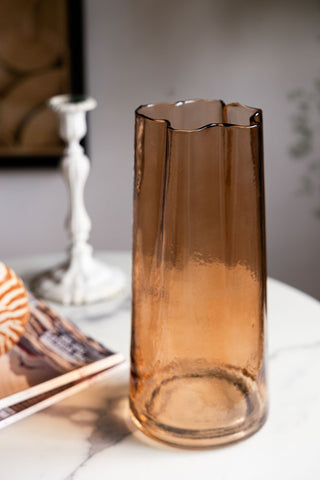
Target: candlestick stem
{"type": "Point", "coordinates": [82, 279]}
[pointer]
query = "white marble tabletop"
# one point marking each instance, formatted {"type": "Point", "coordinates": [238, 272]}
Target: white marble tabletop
{"type": "Point", "coordinates": [88, 436]}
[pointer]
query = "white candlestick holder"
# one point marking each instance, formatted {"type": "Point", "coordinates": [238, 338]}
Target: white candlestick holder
{"type": "Point", "coordinates": [82, 279]}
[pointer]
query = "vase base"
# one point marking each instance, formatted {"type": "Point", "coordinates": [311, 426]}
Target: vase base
{"type": "Point", "coordinates": [202, 410]}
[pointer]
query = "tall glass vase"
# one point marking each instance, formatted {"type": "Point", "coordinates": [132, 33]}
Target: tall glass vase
{"type": "Point", "coordinates": [199, 273]}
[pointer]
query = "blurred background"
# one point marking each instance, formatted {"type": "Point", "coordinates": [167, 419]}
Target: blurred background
{"type": "Point", "coordinates": [263, 54]}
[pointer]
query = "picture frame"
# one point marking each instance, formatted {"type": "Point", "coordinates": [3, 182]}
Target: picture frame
{"type": "Point", "coordinates": [41, 55]}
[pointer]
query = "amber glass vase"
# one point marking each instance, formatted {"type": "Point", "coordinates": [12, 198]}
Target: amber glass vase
{"type": "Point", "coordinates": [199, 273]}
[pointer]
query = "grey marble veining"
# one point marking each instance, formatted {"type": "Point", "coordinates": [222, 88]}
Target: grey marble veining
{"type": "Point", "coordinates": [108, 427]}
{"type": "Point", "coordinates": [294, 348]}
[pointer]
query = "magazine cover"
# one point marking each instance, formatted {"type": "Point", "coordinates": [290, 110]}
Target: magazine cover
{"type": "Point", "coordinates": [13, 413]}
{"type": "Point", "coordinates": [52, 353]}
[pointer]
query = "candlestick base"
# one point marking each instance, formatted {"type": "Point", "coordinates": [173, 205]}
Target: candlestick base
{"type": "Point", "coordinates": [80, 281]}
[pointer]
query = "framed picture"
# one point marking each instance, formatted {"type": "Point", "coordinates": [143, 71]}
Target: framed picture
{"type": "Point", "coordinates": [41, 55]}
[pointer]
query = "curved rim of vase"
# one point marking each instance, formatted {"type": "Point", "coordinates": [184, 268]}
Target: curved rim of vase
{"type": "Point", "coordinates": [255, 120]}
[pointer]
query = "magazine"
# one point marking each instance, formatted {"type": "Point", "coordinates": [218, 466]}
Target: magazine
{"type": "Point", "coordinates": [21, 410]}
{"type": "Point", "coordinates": [52, 360]}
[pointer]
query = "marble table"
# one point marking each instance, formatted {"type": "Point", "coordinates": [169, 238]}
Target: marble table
{"type": "Point", "coordinates": [88, 436]}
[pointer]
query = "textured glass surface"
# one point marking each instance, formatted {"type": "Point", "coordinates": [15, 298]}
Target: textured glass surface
{"type": "Point", "coordinates": [199, 273]}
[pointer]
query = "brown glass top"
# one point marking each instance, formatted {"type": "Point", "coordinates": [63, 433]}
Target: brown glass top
{"type": "Point", "coordinates": [198, 114]}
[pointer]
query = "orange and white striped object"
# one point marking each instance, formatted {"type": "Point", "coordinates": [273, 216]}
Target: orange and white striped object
{"type": "Point", "coordinates": [14, 308]}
